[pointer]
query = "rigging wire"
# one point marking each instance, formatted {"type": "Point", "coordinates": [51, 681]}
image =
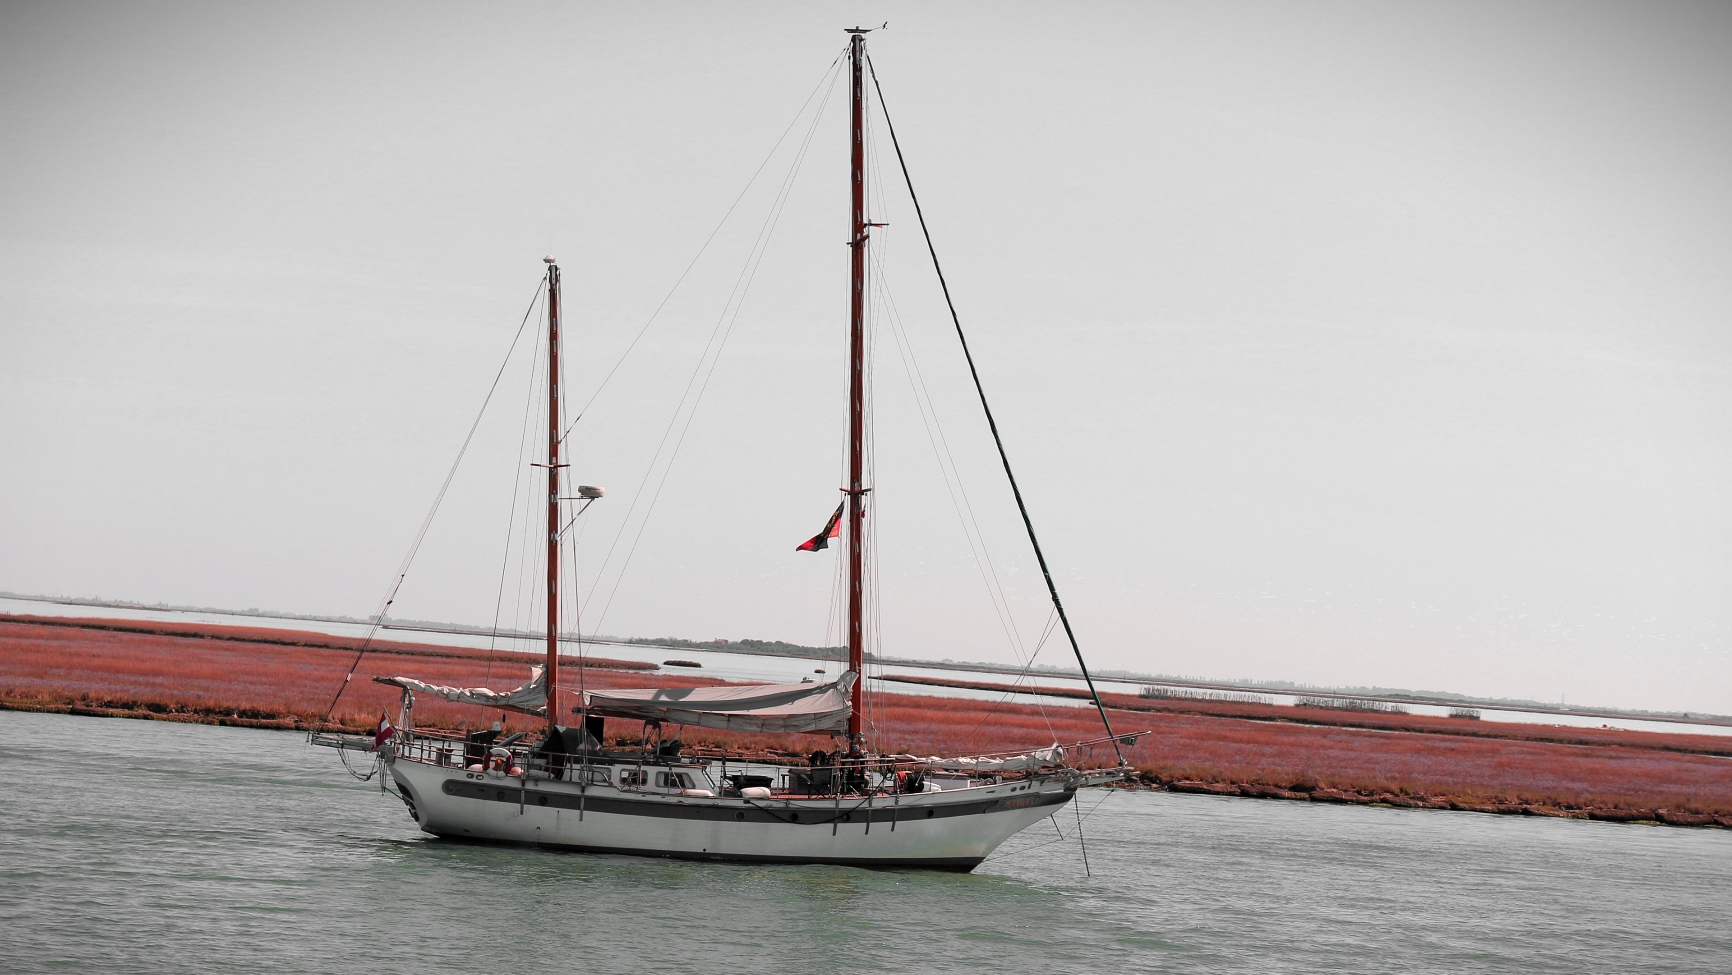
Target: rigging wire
{"type": "Point", "coordinates": [1081, 840]}
{"type": "Point", "coordinates": [835, 623]}
{"type": "Point", "coordinates": [724, 329]}
{"type": "Point", "coordinates": [568, 594]}
{"type": "Point", "coordinates": [1021, 507]}
{"type": "Point", "coordinates": [343, 756]}
{"type": "Point", "coordinates": [704, 356]}
{"type": "Point", "coordinates": [577, 621]}
{"type": "Point", "coordinates": [830, 622]}
{"type": "Point", "coordinates": [511, 519]}
{"type": "Point", "coordinates": [871, 622]}
{"type": "Point", "coordinates": [1022, 675]}
{"type": "Point", "coordinates": [949, 470]}
{"type": "Point", "coordinates": [533, 420]}
{"type": "Point", "coordinates": [427, 522]}
{"type": "Point", "coordinates": [1025, 674]}
{"type": "Point", "coordinates": [828, 72]}
{"type": "Point", "coordinates": [1061, 834]}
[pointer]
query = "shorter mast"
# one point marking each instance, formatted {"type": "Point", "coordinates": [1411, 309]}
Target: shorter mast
{"type": "Point", "coordinates": [553, 465]}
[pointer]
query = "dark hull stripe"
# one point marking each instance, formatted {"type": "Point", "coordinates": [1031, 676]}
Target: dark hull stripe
{"type": "Point", "coordinates": [956, 864]}
{"type": "Point", "coordinates": [749, 811]}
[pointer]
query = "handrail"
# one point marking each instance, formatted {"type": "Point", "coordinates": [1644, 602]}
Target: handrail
{"type": "Point", "coordinates": [440, 748]}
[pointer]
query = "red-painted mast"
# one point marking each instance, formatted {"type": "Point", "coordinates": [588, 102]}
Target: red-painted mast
{"type": "Point", "coordinates": [553, 465]}
{"type": "Point", "coordinates": [857, 397]}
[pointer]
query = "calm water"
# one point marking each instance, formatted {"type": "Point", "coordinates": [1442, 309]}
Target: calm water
{"type": "Point", "coordinates": [139, 846]}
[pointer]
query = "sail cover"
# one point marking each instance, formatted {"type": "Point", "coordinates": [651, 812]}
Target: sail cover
{"type": "Point", "coordinates": [531, 697]}
{"type": "Point", "coordinates": [1040, 758]}
{"type": "Point", "coordinates": [767, 708]}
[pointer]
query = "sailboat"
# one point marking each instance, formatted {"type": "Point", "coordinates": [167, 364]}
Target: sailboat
{"type": "Point", "coordinates": [562, 787]}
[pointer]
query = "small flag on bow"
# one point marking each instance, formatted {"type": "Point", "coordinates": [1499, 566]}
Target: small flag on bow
{"type": "Point", "coordinates": [832, 529]}
{"type": "Point", "coordinates": [383, 732]}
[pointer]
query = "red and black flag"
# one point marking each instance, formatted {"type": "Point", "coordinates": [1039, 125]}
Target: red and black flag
{"type": "Point", "coordinates": [383, 732]}
{"type": "Point", "coordinates": [832, 529]}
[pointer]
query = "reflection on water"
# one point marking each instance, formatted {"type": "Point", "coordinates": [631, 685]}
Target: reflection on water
{"type": "Point", "coordinates": [155, 847]}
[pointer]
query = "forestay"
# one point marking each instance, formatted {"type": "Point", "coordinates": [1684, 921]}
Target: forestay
{"type": "Point", "coordinates": [766, 708]}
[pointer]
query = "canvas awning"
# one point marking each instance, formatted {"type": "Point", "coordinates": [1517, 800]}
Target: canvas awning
{"type": "Point", "coordinates": [766, 708]}
{"type": "Point", "coordinates": [531, 698]}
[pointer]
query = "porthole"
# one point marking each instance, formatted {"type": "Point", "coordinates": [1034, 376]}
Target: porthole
{"type": "Point", "coordinates": [929, 813]}
{"type": "Point", "coordinates": [740, 816]}
{"type": "Point", "coordinates": [501, 795]}
{"type": "Point", "coordinates": [541, 800]}
{"type": "Point", "coordinates": [793, 817]}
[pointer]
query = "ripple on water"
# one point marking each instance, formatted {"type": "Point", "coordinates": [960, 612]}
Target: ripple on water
{"type": "Point", "coordinates": [154, 847]}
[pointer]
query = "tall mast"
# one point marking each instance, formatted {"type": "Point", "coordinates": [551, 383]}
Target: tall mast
{"type": "Point", "coordinates": [552, 493]}
{"type": "Point", "coordinates": [857, 397]}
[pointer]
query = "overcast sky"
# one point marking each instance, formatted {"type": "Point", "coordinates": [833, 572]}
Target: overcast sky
{"type": "Point", "coordinates": [1336, 343]}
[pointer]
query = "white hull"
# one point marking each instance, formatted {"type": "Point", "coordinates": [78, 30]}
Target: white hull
{"type": "Point", "coordinates": [947, 830]}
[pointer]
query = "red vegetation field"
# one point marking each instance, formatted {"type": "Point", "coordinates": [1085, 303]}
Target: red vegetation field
{"type": "Point", "coordinates": [1372, 720]}
{"type": "Point", "coordinates": [276, 678]}
{"type": "Point", "coordinates": [286, 679]}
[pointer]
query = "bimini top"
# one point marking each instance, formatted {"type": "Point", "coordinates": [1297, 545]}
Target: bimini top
{"type": "Point", "coordinates": [766, 708]}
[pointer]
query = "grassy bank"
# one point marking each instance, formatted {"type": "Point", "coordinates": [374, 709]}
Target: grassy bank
{"type": "Point", "coordinates": [286, 679]}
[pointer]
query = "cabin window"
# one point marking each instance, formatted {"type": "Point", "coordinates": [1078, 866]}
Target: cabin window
{"type": "Point", "coordinates": [598, 776]}
{"type": "Point", "coordinates": [633, 776]}
{"type": "Point", "coordinates": [673, 780]}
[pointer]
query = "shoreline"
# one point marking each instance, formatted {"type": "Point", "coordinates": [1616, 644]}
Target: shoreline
{"type": "Point", "coordinates": [1142, 780]}
{"type": "Point", "coordinates": [1658, 816]}
{"type": "Point", "coordinates": [1423, 698]}
{"type": "Point", "coordinates": [283, 680]}
{"type": "Point", "coordinates": [1399, 722]}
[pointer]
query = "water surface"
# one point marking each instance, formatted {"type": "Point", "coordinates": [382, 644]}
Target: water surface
{"type": "Point", "coordinates": [137, 846]}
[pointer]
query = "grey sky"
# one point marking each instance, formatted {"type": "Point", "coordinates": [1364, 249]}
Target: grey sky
{"type": "Point", "coordinates": [1346, 343]}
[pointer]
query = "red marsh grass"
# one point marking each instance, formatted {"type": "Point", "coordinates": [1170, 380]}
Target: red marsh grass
{"type": "Point", "coordinates": [286, 678]}
{"type": "Point", "coordinates": [262, 675]}
{"type": "Point", "coordinates": [1371, 720]}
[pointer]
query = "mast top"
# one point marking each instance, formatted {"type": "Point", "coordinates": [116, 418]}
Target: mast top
{"type": "Point", "coordinates": [865, 30]}
{"type": "Point", "coordinates": [549, 259]}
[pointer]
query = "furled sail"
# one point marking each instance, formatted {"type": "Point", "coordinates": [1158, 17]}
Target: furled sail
{"type": "Point", "coordinates": [531, 697]}
{"type": "Point", "coordinates": [767, 708]}
{"type": "Point", "coordinates": [1038, 759]}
